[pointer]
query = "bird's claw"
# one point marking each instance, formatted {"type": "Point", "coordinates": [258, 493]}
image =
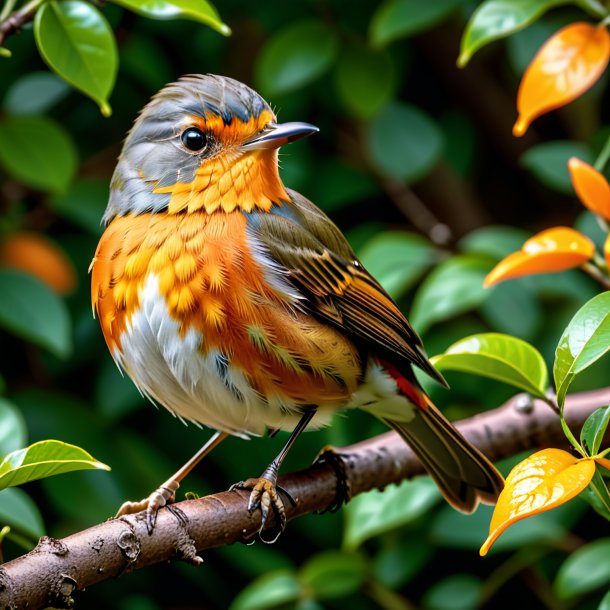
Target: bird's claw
{"type": "Point", "coordinates": [264, 495]}
{"type": "Point", "coordinates": [165, 494]}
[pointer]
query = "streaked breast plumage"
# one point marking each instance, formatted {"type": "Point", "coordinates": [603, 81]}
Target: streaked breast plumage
{"type": "Point", "coordinates": [211, 329]}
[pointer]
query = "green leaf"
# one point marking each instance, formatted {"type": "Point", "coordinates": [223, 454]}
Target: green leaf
{"type": "Point", "coordinates": [585, 570]}
{"type": "Point", "coordinates": [396, 565]}
{"type": "Point", "coordinates": [397, 259]}
{"type": "Point", "coordinates": [273, 590]}
{"type": "Point", "coordinates": [495, 19]}
{"type": "Point", "coordinates": [31, 310]}
{"type": "Point", "coordinates": [396, 19]}
{"type": "Point", "coordinates": [84, 204]}
{"type": "Point", "coordinates": [584, 341]}
{"type": "Point", "coordinates": [597, 495]}
{"type": "Point", "coordinates": [35, 93]}
{"type": "Point", "coordinates": [365, 80]}
{"type": "Point", "coordinates": [549, 162]}
{"type": "Point", "coordinates": [13, 433]}
{"type": "Point", "coordinates": [592, 433]}
{"type": "Point", "coordinates": [25, 145]}
{"type": "Point", "coordinates": [77, 43]}
{"type": "Point", "coordinates": [501, 357]}
{"type": "Point", "coordinates": [605, 603]}
{"type": "Point", "coordinates": [295, 56]}
{"type": "Point", "coordinates": [456, 592]}
{"type": "Point", "coordinates": [377, 512]}
{"type": "Point", "coordinates": [195, 10]}
{"type": "Point", "coordinates": [339, 185]}
{"type": "Point", "coordinates": [496, 241]}
{"type": "Point", "coordinates": [333, 574]}
{"type": "Point", "coordinates": [44, 459]}
{"type": "Point", "coordinates": [19, 511]}
{"type": "Point", "coordinates": [454, 287]}
{"type": "Point", "coordinates": [404, 142]}
{"type": "Point", "coordinates": [513, 309]}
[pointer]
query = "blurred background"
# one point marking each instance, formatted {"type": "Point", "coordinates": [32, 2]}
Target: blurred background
{"type": "Point", "coordinates": [416, 163]}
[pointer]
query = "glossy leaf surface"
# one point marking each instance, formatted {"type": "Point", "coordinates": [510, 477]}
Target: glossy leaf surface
{"type": "Point", "coordinates": [555, 249]}
{"type": "Point", "coordinates": [584, 341]}
{"type": "Point", "coordinates": [44, 459]}
{"type": "Point", "coordinates": [591, 187]}
{"type": "Point", "coordinates": [195, 10]}
{"type": "Point", "coordinates": [568, 64]}
{"type": "Point", "coordinates": [77, 42]}
{"type": "Point", "coordinates": [541, 482]}
{"type": "Point", "coordinates": [499, 357]}
{"type": "Point", "coordinates": [592, 433]}
{"type": "Point", "coordinates": [495, 19]}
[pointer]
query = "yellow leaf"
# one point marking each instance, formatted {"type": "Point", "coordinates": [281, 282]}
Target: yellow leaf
{"type": "Point", "coordinates": [555, 249]}
{"type": "Point", "coordinates": [569, 63]}
{"type": "Point", "coordinates": [591, 187]}
{"type": "Point", "coordinates": [607, 250]}
{"type": "Point", "coordinates": [543, 481]}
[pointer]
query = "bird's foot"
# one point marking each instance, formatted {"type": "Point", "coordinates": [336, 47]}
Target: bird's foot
{"type": "Point", "coordinates": [329, 455]}
{"type": "Point", "coordinates": [165, 494]}
{"type": "Point", "coordinates": [265, 494]}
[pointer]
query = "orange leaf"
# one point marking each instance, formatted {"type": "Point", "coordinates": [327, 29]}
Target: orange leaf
{"type": "Point", "coordinates": [39, 256]}
{"type": "Point", "coordinates": [605, 462]}
{"type": "Point", "coordinates": [555, 249]}
{"type": "Point", "coordinates": [542, 481]}
{"type": "Point", "coordinates": [569, 63]}
{"type": "Point", "coordinates": [591, 187]}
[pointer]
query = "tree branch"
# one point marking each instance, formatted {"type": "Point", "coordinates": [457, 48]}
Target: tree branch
{"type": "Point", "coordinates": [14, 22]}
{"type": "Point", "coordinates": [55, 569]}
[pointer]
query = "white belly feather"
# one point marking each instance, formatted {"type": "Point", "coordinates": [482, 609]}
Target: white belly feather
{"type": "Point", "coordinates": [203, 386]}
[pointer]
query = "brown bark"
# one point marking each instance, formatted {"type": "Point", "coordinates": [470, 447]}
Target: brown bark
{"type": "Point", "coordinates": [55, 569]}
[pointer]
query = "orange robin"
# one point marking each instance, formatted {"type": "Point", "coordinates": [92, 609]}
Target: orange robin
{"type": "Point", "coordinates": [236, 303]}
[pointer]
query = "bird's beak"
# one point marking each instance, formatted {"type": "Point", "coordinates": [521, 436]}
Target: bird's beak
{"type": "Point", "coordinates": [274, 135]}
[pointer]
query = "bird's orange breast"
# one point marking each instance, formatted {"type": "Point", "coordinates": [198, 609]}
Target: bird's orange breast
{"type": "Point", "coordinates": [215, 281]}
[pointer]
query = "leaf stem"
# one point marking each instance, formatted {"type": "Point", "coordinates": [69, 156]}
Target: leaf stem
{"type": "Point", "coordinates": [604, 155]}
{"type": "Point", "coordinates": [597, 274]}
{"type": "Point", "coordinates": [593, 7]}
{"type": "Point", "coordinates": [7, 9]}
{"type": "Point", "coordinates": [11, 23]}
{"type": "Point", "coordinates": [551, 402]}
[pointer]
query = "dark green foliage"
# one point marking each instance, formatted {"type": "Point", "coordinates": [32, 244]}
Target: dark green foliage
{"type": "Point", "coordinates": [415, 162]}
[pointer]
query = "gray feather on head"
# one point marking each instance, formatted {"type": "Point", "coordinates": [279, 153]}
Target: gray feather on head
{"type": "Point", "coordinates": [152, 155]}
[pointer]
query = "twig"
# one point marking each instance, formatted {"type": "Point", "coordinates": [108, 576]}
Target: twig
{"type": "Point", "coordinates": [55, 569]}
{"type": "Point", "coordinates": [18, 19]}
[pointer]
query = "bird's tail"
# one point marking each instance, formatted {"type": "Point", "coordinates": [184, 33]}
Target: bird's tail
{"type": "Point", "coordinates": [463, 474]}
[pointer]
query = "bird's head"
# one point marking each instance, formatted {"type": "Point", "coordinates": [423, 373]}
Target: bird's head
{"type": "Point", "coordinates": [203, 143]}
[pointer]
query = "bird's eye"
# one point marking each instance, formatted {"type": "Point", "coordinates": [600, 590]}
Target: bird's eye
{"type": "Point", "coordinates": [194, 139]}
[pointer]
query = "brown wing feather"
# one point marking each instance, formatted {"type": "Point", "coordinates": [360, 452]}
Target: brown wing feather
{"type": "Point", "coordinates": [319, 260]}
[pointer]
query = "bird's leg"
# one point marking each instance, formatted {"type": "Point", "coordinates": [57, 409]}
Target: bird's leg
{"type": "Point", "coordinates": [264, 493]}
{"type": "Point", "coordinates": [166, 492]}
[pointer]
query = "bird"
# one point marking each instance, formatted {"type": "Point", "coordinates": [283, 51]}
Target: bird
{"type": "Point", "coordinates": [238, 305]}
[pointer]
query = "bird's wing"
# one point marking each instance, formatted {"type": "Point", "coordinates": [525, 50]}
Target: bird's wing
{"type": "Point", "coordinates": [319, 261]}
